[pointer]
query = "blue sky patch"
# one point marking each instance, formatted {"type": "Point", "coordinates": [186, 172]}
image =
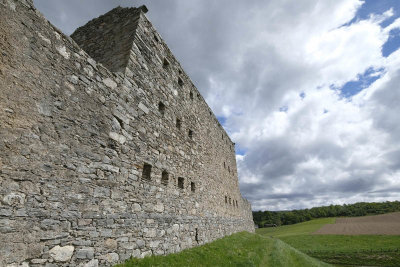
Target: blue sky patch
{"type": "Point", "coordinates": [283, 109]}
{"type": "Point", "coordinates": [377, 7]}
{"type": "Point", "coordinates": [392, 44]}
{"type": "Point", "coordinates": [363, 81]}
{"type": "Point", "coordinates": [240, 151]}
{"type": "Point", "coordinates": [221, 120]}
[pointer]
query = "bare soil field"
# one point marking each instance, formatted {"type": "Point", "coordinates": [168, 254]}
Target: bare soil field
{"type": "Point", "coordinates": [385, 224]}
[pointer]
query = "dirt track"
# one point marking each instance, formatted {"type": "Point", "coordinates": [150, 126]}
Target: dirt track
{"type": "Point", "coordinates": [386, 224]}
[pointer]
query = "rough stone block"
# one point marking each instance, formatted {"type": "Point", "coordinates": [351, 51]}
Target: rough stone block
{"type": "Point", "coordinates": [85, 253]}
{"type": "Point", "coordinates": [111, 257]}
{"type": "Point", "coordinates": [61, 254]}
{"type": "Point", "coordinates": [111, 244]}
{"type": "Point", "coordinates": [143, 107]}
{"type": "Point", "coordinates": [117, 137]}
{"type": "Point", "coordinates": [110, 83]}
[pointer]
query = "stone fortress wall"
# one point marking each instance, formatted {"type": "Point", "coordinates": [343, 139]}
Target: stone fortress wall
{"type": "Point", "coordinates": [107, 149]}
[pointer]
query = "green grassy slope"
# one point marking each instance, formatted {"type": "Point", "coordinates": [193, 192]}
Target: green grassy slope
{"type": "Point", "coordinates": [304, 228]}
{"type": "Point", "coordinates": [373, 250]}
{"type": "Point", "coordinates": [241, 249]}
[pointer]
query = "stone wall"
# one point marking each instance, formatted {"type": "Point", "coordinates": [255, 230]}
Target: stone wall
{"type": "Point", "coordinates": [75, 139]}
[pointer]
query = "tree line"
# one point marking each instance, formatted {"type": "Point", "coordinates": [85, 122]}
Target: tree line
{"type": "Point", "coordinates": [262, 218]}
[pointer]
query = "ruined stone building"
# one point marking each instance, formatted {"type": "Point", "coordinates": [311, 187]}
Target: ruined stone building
{"type": "Point", "coordinates": [107, 149]}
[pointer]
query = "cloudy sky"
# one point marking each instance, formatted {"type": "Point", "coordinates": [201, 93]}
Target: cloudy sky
{"type": "Point", "coordinates": [309, 90]}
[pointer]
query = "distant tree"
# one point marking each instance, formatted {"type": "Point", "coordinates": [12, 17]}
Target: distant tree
{"type": "Point", "coordinates": [295, 216]}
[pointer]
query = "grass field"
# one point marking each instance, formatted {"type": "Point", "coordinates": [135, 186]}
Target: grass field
{"type": "Point", "coordinates": [241, 249]}
{"type": "Point", "coordinates": [304, 228]}
{"type": "Point", "coordinates": [372, 250]}
{"type": "Point", "coordinates": [384, 224]}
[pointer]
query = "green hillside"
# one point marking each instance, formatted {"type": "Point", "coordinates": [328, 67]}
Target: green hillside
{"type": "Point", "coordinates": [304, 228]}
{"type": "Point", "coordinates": [241, 249]}
{"type": "Point", "coordinates": [341, 250]}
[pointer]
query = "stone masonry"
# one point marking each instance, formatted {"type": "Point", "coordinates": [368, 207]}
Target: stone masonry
{"type": "Point", "coordinates": [107, 149]}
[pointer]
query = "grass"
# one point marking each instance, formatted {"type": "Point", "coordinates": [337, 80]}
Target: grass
{"type": "Point", "coordinates": [304, 228]}
{"type": "Point", "coordinates": [376, 250]}
{"type": "Point", "coordinates": [240, 249]}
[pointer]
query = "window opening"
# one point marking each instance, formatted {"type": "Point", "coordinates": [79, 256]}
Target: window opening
{"type": "Point", "coordinates": [164, 178]}
{"type": "Point", "coordinates": [161, 108]}
{"type": "Point", "coordinates": [178, 123]}
{"type": "Point", "coordinates": [196, 237]}
{"type": "Point", "coordinates": [190, 134]}
{"type": "Point", "coordinates": [226, 200]}
{"type": "Point", "coordinates": [192, 187]}
{"type": "Point", "coordinates": [180, 82]}
{"type": "Point", "coordinates": [146, 172]}
{"type": "Point", "coordinates": [191, 95]}
{"type": "Point", "coordinates": [180, 182]}
{"type": "Point", "coordinates": [165, 63]}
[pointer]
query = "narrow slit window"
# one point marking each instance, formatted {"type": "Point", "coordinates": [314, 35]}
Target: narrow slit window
{"type": "Point", "coordinates": [146, 172]}
{"type": "Point", "coordinates": [229, 169]}
{"type": "Point", "coordinates": [161, 108]}
{"type": "Point", "coordinates": [224, 165]}
{"type": "Point", "coordinates": [237, 206]}
{"type": "Point", "coordinates": [164, 178]}
{"type": "Point", "coordinates": [192, 187]}
{"type": "Point", "coordinates": [196, 237]}
{"type": "Point", "coordinates": [191, 95]}
{"type": "Point", "coordinates": [190, 134]}
{"type": "Point", "coordinates": [181, 182]}
{"type": "Point", "coordinates": [180, 81]}
{"type": "Point", "coordinates": [178, 124]}
{"type": "Point", "coordinates": [230, 201]}
{"type": "Point", "coordinates": [226, 200]}
{"type": "Point", "coordinates": [165, 63]}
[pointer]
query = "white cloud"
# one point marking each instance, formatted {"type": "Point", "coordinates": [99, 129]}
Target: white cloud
{"type": "Point", "coordinates": [334, 148]}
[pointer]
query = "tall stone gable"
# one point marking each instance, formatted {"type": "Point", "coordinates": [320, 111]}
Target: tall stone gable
{"type": "Point", "coordinates": [107, 150]}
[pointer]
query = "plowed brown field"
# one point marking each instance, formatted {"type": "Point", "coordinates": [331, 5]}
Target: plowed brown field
{"type": "Point", "coordinates": [385, 224]}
